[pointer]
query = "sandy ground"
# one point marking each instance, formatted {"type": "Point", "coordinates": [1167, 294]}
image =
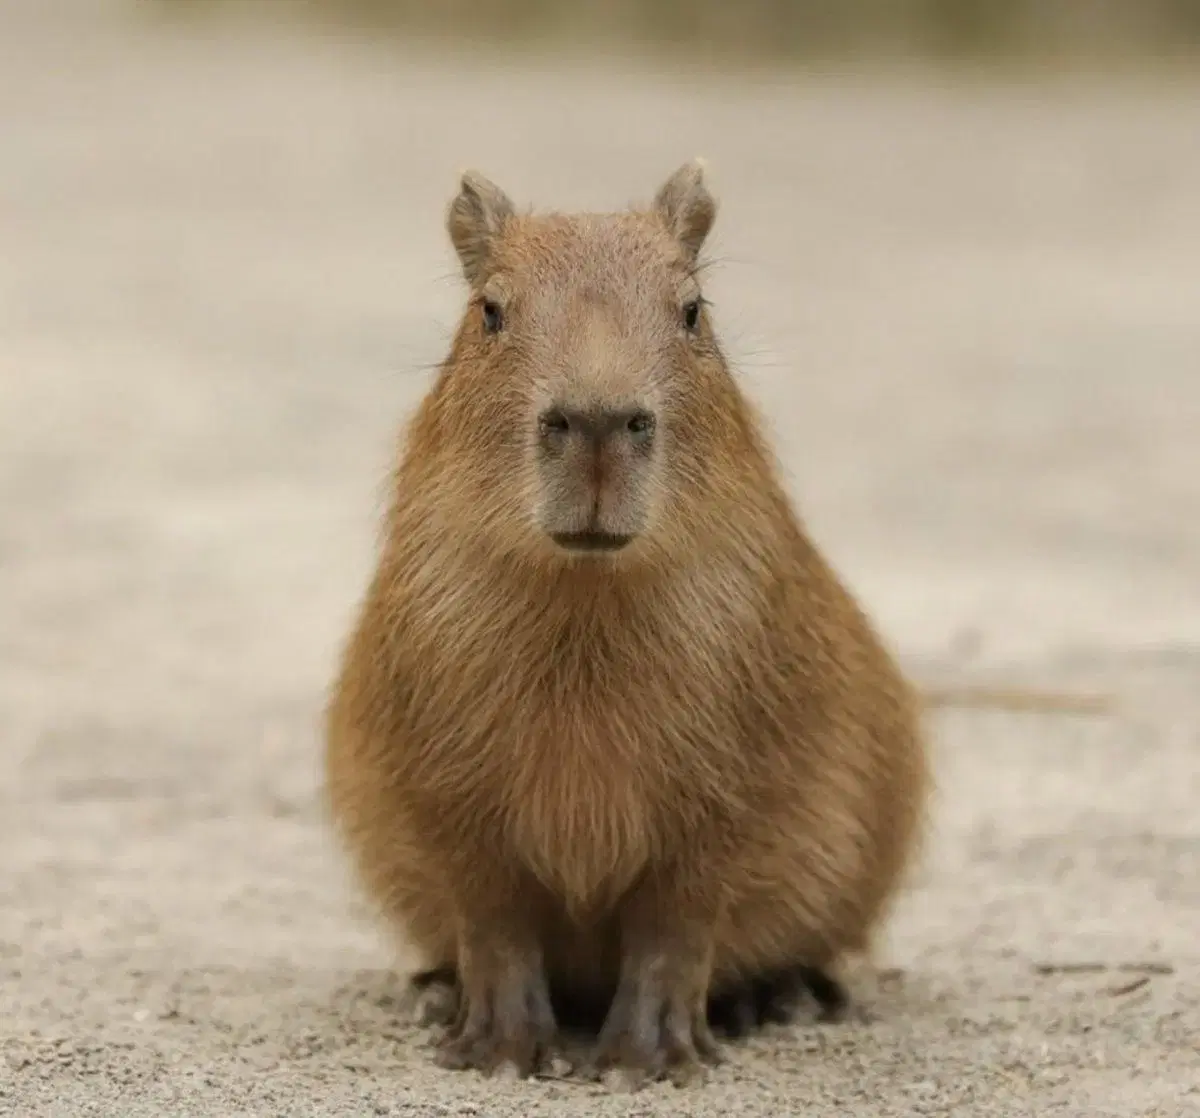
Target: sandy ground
{"type": "Point", "coordinates": [973, 315]}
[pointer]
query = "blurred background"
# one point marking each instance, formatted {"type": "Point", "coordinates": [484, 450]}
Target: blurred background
{"type": "Point", "coordinates": [783, 30]}
{"type": "Point", "coordinates": [957, 259]}
{"type": "Point", "coordinates": [958, 269]}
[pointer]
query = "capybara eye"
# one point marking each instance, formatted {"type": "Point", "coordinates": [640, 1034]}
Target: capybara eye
{"type": "Point", "coordinates": [641, 423]}
{"type": "Point", "coordinates": [691, 314]}
{"type": "Point", "coordinates": [553, 422]}
{"type": "Point", "coordinates": [493, 317]}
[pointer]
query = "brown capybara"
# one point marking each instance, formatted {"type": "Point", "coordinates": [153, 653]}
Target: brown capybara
{"type": "Point", "coordinates": [608, 731]}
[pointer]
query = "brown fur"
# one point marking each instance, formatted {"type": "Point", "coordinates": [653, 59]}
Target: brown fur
{"type": "Point", "coordinates": [641, 776]}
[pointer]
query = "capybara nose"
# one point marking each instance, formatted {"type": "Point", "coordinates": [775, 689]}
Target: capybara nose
{"type": "Point", "coordinates": [597, 425]}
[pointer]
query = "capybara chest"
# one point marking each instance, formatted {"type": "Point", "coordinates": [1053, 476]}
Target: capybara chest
{"type": "Point", "coordinates": [605, 771]}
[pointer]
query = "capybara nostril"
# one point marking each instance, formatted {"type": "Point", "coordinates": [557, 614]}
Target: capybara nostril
{"type": "Point", "coordinates": [598, 425]}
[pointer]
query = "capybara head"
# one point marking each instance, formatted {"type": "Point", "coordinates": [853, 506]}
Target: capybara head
{"type": "Point", "coordinates": [585, 400]}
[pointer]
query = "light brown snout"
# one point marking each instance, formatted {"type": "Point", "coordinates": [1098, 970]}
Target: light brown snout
{"type": "Point", "coordinates": [593, 465]}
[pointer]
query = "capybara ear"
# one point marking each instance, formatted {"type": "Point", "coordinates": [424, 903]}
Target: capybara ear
{"type": "Point", "coordinates": [476, 216]}
{"type": "Point", "coordinates": [684, 203]}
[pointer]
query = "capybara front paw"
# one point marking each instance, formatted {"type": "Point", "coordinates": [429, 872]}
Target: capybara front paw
{"type": "Point", "coordinates": [503, 1025]}
{"type": "Point", "coordinates": [488, 1050]}
{"type": "Point", "coordinates": [649, 1037]}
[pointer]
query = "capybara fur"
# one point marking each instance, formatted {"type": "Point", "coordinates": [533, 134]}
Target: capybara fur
{"type": "Point", "coordinates": [608, 730]}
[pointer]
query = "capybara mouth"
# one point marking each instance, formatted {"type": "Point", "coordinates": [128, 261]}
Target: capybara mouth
{"type": "Point", "coordinates": [591, 541]}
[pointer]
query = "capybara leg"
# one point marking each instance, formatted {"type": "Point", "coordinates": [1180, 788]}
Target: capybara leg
{"type": "Point", "coordinates": [504, 1015]}
{"type": "Point", "coordinates": [657, 1024]}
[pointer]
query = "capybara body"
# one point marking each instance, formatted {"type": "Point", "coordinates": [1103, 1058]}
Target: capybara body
{"type": "Point", "coordinates": [608, 727]}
